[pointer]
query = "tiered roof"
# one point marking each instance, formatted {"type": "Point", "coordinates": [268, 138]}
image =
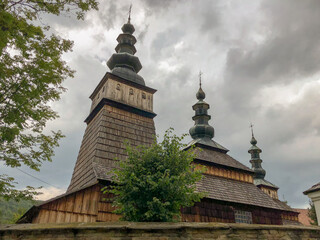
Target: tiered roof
{"type": "Point", "coordinates": [123, 63]}
{"type": "Point", "coordinates": [259, 172]}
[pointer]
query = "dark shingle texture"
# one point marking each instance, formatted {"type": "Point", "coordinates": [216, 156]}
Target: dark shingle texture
{"type": "Point", "coordinates": [229, 190]}
{"type": "Point", "coordinates": [284, 205]}
{"type": "Point", "coordinates": [220, 158]}
{"type": "Point", "coordinates": [103, 144]}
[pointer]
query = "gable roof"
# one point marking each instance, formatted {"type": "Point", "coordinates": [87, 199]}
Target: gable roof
{"type": "Point", "coordinates": [314, 188]}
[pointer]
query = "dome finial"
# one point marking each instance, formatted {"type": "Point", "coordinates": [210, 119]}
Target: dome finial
{"type": "Point", "coordinates": [200, 94]}
{"type": "Point", "coordinates": [129, 17]}
{"type": "Point", "coordinates": [251, 126]}
{"type": "Point", "coordinates": [253, 140]}
{"type": "Point", "coordinates": [200, 74]}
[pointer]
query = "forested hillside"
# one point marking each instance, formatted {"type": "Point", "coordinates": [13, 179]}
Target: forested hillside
{"type": "Point", "coordinates": [11, 211]}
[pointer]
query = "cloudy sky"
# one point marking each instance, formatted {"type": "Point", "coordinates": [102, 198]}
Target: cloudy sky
{"type": "Point", "coordinates": [261, 64]}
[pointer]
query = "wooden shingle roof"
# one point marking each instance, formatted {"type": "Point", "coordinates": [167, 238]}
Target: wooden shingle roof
{"type": "Point", "coordinates": [223, 189]}
{"type": "Point", "coordinates": [220, 158]}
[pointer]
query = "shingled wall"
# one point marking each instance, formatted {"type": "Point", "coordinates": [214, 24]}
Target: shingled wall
{"type": "Point", "coordinates": [103, 143]}
{"type": "Point", "coordinates": [156, 231]}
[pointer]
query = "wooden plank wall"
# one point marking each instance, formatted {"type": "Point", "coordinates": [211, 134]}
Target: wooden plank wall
{"type": "Point", "coordinates": [212, 211]}
{"type": "Point", "coordinates": [270, 191]}
{"type": "Point", "coordinates": [290, 216]}
{"type": "Point", "coordinates": [226, 173]}
{"type": "Point", "coordinates": [208, 212]}
{"type": "Point", "coordinates": [105, 209]}
{"type": "Point", "coordinates": [91, 205]}
{"type": "Point", "coordinates": [262, 216]}
{"type": "Point", "coordinates": [81, 206]}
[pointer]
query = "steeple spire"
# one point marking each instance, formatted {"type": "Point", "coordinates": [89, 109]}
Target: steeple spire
{"type": "Point", "coordinates": [251, 126]}
{"type": "Point", "coordinates": [259, 172]}
{"type": "Point", "coordinates": [129, 17]}
{"type": "Point", "coordinates": [123, 63]}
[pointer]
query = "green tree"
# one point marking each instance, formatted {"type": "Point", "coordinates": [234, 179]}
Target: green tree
{"type": "Point", "coordinates": [155, 182]}
{"type": "Point", "coordinates": [31, 76]}
{"type": "Point", "coordinates": [312, 214]}
{"type": "Point", "coordinates": [11, 210]}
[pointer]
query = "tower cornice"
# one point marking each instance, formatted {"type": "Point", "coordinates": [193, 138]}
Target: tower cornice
{"type": "Point", "coordinates": [112, 103]}
{"type": "Point", "coordinates": [109, 75]}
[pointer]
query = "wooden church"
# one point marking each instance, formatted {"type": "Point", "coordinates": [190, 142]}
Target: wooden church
{"type": "Point", "coordinates": [122, 110]}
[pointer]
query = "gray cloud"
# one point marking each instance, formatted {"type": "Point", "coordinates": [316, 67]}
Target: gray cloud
{"type": "Point", "coordinates": [157, 6]}
{"type": "Point", "coordinates": [143, 33]}
{"type": "Point", "coordinates": [164, 42]}
{"type": "Point", "coordinates": [289, 52]}
{"type": "Point", "coordinates": [108, 14]}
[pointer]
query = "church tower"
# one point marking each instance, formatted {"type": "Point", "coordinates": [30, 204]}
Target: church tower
{"type": "Point", "coordinates": [121, 111]}
{"type": "Point", "coordinates": [259, 172]}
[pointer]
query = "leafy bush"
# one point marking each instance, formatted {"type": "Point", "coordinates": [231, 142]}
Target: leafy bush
{"type": "Point", "coordinates": [155, 182]}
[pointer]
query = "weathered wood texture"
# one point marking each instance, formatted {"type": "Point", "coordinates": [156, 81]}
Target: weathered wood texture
{"type": "Point", "coordinates": [87, 205]}
{"type": "Point", "coordinates": [116, 90]}
{"type": "Point", "coordinates": [103, 143]}
{"type": "Point", "coordinates": [91, 205]}
{"type": "Point", "coordinates": [81, 206]}
{"type": "Point", "coordinates": [227, 173]}
{"type": "Point", "coordinates": [105, 209]}
{"type": "Point", "coordinates": [290, 216]}
{"type": "Point", "coordinates": [216, 211]}
{"type": "Point", "coordinates": [270, 191]}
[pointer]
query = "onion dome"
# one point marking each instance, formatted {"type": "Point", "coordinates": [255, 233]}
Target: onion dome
{"type": "Point", "coordinates": [202, 133]}
{"type": "Point", "coordinates": [201, 128]}
{"type": "Point", "coordinates": [200, 94]}
{"type": "Point", "coordinates": [123, 63]}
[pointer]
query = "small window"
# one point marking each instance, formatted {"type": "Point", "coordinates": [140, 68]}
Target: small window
{"type": "Point", "coordinates": [144, 95]}
{"type": "Point", "coordinates": [243, 217]}
{"type": "Point", "coordinates": [103, 89]}
{"type": "Point", "coordinates": [118, 86]}
{"type": "Point", "coordinates": [131, 91]}
{"type": "Point", "coordinates": [98, 96]}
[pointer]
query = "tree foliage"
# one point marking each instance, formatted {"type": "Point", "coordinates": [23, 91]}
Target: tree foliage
{"type": "Point", "coordinates": [11, 211]}
{"type": "Point", "coordinates": [31, 76]}
{"type": "Point", "coordinates": [312, 214]}
{"type": "Point", "coordinates": [155, 182]}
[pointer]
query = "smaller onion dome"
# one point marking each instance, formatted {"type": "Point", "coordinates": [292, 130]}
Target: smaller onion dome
{"type": "Point", "coordinates": [200, 94]}
{"type": "Point", "coordinates": [259, 172]}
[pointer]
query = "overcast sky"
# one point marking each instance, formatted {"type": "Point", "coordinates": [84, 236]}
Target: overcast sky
{"type": "Point", "coordinates": [261, 64]}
